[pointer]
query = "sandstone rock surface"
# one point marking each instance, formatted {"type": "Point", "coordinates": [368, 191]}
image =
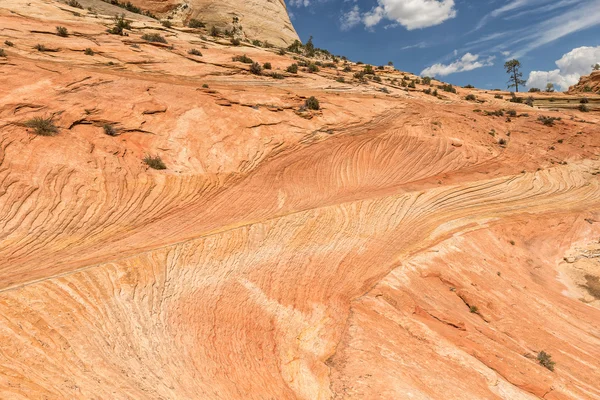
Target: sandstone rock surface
{"type": "Point", "coordinates": [386, 246]}
{"type": "Point", "coordinates": [588, 83]}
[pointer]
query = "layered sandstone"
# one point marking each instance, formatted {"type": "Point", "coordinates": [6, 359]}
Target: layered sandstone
{"type": "Point", "coordinates": [587, 84]}
{"type": "Point", "coordinates": [391, 245]}
{"type": "Point", "coordinates": [265, 20]}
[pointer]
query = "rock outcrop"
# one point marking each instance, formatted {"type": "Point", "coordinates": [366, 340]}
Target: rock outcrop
{"type": "Point", "coordinates": [265, 20]}
{"type": "Point", "coordinates": [391, 244]}
{"type": "Point", "coordinates": [587, 84]}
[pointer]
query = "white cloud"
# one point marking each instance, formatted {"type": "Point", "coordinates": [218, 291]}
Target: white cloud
{"type": "Point", "coordinates": [468, 62]}
{"type": "Point", "coordinates": [571, 66]}
{"type": "Point", "coordinates": [299, 3]}
{"type": "Point", "coordinates": [411, 14]}
{"type": "Point", "coordinates": [350, 19]}
{"type": "Point", "coordinates": [416, 14]}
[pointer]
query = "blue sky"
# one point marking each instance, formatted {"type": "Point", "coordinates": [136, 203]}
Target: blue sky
{"type": "Point", "coordinates": [459, 41]}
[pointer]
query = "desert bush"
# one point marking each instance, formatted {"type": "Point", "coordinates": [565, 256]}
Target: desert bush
{"type": "Point", "coordinates": [377, 78]}
{"type": "Point", "coordinates": [529, 101]}
{"type": "Point", "coordinates": [120, 25]}
{"type": "Point", "coordinates": [42, 126]}
{"type": "Point", "coordinates": [235, 42]}
{"type": "Point", "coordinates": [109, 130]}
{"type": "Point", "coordinates": [447, 88]}
{"type": "Point", "coordinates": [205, 86]}
{"type": "Point", "coordinates": [62, 31]}
{"type": "Point", "coordinates": [548, 121]}
{"type": "Point", "coordinates": [9, 43]}
{"type": "Point", "coordinates": [587, 89]}
{"type": "Point", "coordinates": [312, 103]}
{"type": "Point", "coordinates": [40, 47]}
{"type": "Point", "coordinates": [281, 52]}
{"type": "Point", "coordinates": [583, 108]}
{"type": "Point", "coordinates": [74, 3]}
{"type": "Point", "coordinates": [154, 38]}
{"type": "Point", "coordinates": [340, 79]}
{"type": "Point", "coordinates": [511, 113]}
{"type": "Point", "coordinates": [369, 70]}
{"type": "Point", "coordinates": [292, 69]}
{"type": "Point", "coordinates": [498, 96]}
{"type": "Point", "coordinates": [469, 87]}
{"type": "Point", "coordinates": [585, 100]}
{"type": "Point", "coordinates": [412, 85]}
{"type": "Point", "coordinates": [497, 113]}
{"type": "Point", "coordinates": [473, 309]}
{"type": "Point", "coordinates": [166, 23]}
{"type": "Point", "coordinates": [2, 53]}
{"type": "Point", "coordinates": [89, 52]}
{"type": "Point", "coordinates": [257, 43]}
{"type": "Point", "coordinates": [427, 91]}
{"type": "Point", "coordinates": [502, 142]}
{"type": "Point", "coordinates": [255, 68]}
{"type": "Point", "coordinates": [434, 93]}
{"type": "Point", "coordinates": [154, 162]}
{"type": "Point", "coordinates": [244, 59]}
{"type": "Point", "coordinates": [195, 23]}
{"type": "Point", "coordinates": [313, 68]}
{"type": "Point", "coordinates": [276, 75]}
{"type": "Point", "coordinates": [267, 65]}
{"type": "Point", "coordinates": [385, 90]}
{"type": "Point", "coordinates": [534, 90]}
{"type": "Point", "coordinates": [347, 68]}
{"type": "Point", "coordinates": [426, 80]}
{"type": "Point", "coordinates": [545, 360]}
{"type": "Point", "coordinates": [214, 31]}
{"type": "Point", "coordinates": [195, 52]}
{"type": "Point", "coordinates": [470, 97]}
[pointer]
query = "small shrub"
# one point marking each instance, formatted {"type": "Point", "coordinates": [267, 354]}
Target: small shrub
{"type": "Point", "coordinates": [42, 126]}
{"type": "Point", "coordinates": [470, 97]}
{"type": "Point", "coordinates": [469, 87]}
{"type": "Point", "coordinates": [385, 90]}
{"type": "Point", "coordinates": [585, 100]}
{"type": "Point", "coordinates": [497, 113]}
{"type": "Point", "coordinates": [529, 101]}
{"type": "Point", "coordinates": [426, 80]}
{"type": "Point", "coordinates": [2, 53]}
{"type": "Point", "coordinates": [154, 162]}
{"type": "Point", "coordinates": [534, 90]}
{"type": "Point", "coordinates": [166, 23]}
{"type": "Point", "coordinates": [195, 24]}
{"type": "Point", "coordinates": [9, 43]}
{"type": "Point", "coordinates": [62, 31]}
{"type": "Point", "coordinates": [205, 86]}
{"type": "Point", "coordinates": [195, 52]}
{"type": "Point", "coordinates": [235, 42]}
{"type": "Point", "coordinates": [511, 113]}
{"type": "Point", "coordinates": [154, 38]}
{"type": "Point", "coordinates": [312, 68]}
{"type": "Point", "coordinates": [89, 52]}
{"type": "Point", "coordinates": [74, 3]}
{"type": "Point", "coordinates": [448, 88]}
{"type": "Point", "coordinates": [473, 309]}
{"type": "Point", "coordinates": [502, 142]}
{"type": "Point", "coordinates": [109, 130]}
{"type": "Point", "coordinates": [214, 31]}
{"type": "Point", "coordinates": [120, 25]}
{"type": "Point", "coordinates": [292, 69]}
{"type": "Point", "coordinates": [548, 121]}
{"type": "Point", "coordinates": [369, 70]}
{"type": "Point", "coordinates": [412, 85]}
{"type": "Point", "coordinates": [427, 91]}
{"type": "Point", "coordinates": [255, 68]}
{"type": "Point", "coordinates": [276, 75]}
{"type": "Point", "coordinates": [256, 43]}
{"type": "Point", "coordinates": [244, 59]}
{"type": "Point", "coordinates": [267, 65]}
{"type": "Point", "coordinates": [583, 108]}
{"type": "Point", "coordinates": [377, 78]}
{"type": "Point", "coordinates": [347, 68]}
{"type": "Point", "coordinates": [545, 360]}
{"type": "Point", "coordinates": [40, 47]}
{"type": "Point", "coordinates": [340, 79]}
{"type": "Point", "coordinates": [281, 52]}
{"type": "Point", "coordinates": [434, 93]}
{"type": "Point", "coordinates": [312, 103]}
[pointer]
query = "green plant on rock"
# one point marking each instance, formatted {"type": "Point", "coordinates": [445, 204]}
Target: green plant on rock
{"type": "Point", "coordinates": [42, 126]}
{"type": "Point", "coordinates": [154, 162]}
{"type": "Point", "coordinates": [312, 103]}
{"type": "Point", "coordinates": [154, 38]}
{"type": "Point", "coordinates": [545, 360]}
{"type": "Point", "coordinates": [62, 31]}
